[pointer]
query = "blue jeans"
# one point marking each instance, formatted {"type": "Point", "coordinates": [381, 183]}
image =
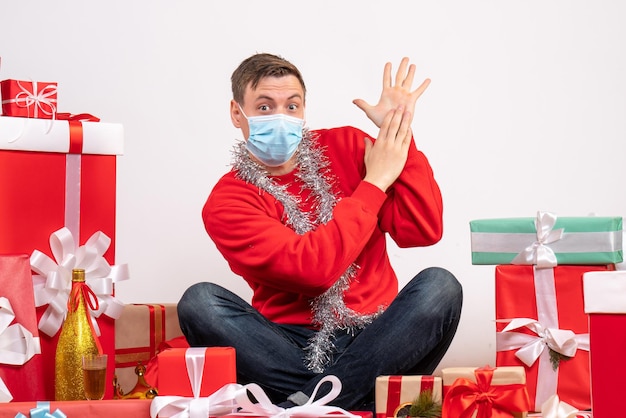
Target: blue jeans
{"type": "Point", "coordinates": [410, 337]}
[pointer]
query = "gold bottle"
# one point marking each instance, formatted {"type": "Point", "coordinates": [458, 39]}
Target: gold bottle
{"type": "Point", "coordinates": [76, 339]}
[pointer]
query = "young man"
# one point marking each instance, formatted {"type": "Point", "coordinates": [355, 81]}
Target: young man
{"type": "Point", "coordinates": [303, 217]}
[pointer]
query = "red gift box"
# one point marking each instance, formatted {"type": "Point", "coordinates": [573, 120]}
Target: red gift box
{"type": "Point", "coordinates": [395, 392]}
{"type": "Point", "coordinates": [538, 313]}
{"type": "Point", "coordinates": [16, 286]}
{"type": "Point", "coordinates": [61, 186]}
{"type": "Point", "coordinates": [248, 401]}
{"type": "Point", "coordinates": [605, 302]}
{"type": "Point", "coordinates": [173, 379]}
{"type": "Point", "coordinates": [29, 99]}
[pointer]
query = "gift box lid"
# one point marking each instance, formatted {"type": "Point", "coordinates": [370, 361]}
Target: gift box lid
{"type": "Point", "coordinates": [503, 375]}
{"type": "Point", "coordinates": [605, 291]}
{"type": "Point", "coordinates": [46, 135]}
{"type": "Point", "coordinates": [571, 240]}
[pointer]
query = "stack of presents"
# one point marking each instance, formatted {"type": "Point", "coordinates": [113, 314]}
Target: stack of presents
{"type": "Point", "coordinates": [560, 303]}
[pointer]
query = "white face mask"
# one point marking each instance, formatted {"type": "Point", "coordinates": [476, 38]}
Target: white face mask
{"type": "Point", "coordinates": [273, 139]}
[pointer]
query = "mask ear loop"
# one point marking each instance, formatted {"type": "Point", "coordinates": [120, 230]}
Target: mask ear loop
{"type": "Point", "coordinates": [241, 110]}
{"type": "Point", "coordinates": [248, 119]}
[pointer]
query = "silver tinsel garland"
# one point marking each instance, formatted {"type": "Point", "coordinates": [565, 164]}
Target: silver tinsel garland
{"type": "Point", "coordinates": [329, 310]}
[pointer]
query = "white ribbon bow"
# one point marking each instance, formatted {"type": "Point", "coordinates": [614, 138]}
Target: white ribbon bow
{"type": "Point", "coordinates": [312, 408]}
{"type": "Point", "coordinates": [530, 347]}
{"type": "Point", "coordinates": [17, 344]}
{"type": "Point", "coordinates": [41, 100]}
{"type": "Point", "coordinates": [539, 253]}
{"type": "Point", "coordinates": [219, 403]}
{"type": "Point", "coordinates": [554, 408]}
{"type": "Point", "coordinates": [53, 282]}
{"type": "Point", "coordinates": [231, 397]}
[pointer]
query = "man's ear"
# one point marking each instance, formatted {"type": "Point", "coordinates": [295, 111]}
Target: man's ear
{"type": "Point", "coordinates": [235, 114]}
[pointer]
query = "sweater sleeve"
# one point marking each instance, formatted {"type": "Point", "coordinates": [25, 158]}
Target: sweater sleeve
{"type": "Point", "coordinates": [246, 226]}
{"type": "Point", "coordinates": [413, 211]}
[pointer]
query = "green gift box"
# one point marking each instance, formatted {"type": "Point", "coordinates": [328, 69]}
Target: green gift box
{"type": "Point", "coordinates": [546, 241]}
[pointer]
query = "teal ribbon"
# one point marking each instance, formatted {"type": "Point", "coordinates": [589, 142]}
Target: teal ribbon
{"type": "Point", "coordinates": [42, 410]}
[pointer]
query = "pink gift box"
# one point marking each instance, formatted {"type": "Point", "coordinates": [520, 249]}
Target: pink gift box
{"type": "Point", "coordinates": [16, 285]}
{"type": "Point", "coordinates": [136, 408]}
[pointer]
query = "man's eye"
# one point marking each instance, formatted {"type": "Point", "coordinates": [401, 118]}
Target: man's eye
{"type": "Point", "coordinates": [293, 107]}
{"type": "Point", "coordinates": [264, 108]}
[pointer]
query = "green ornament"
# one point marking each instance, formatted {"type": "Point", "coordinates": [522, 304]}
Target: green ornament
{"type": "Point", "coordinates": [423, 406]}
{"type": "Point", "coordinates": [556, 358]}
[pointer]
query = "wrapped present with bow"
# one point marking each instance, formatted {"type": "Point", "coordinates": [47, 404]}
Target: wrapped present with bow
{"type": "Point", "coordinates": [58, 174]}
{"type": "Point", "coordinates": [234, 400]}
{"type": "Point", "coordinates": [484, 392]}
{"type": "Point", "coordinates": [20, 359]}
{"type": "Point", "coordinates": [547, 240]}
{"type": "Point", "coordinates": [212, 367]}
{"type": "Point", "coordinates": [396, 393]}
{"type": "Point", "coordinates": [141, 332]}
{"type": "Point", "coordinates": [605, 304]}
{"type": "Point", "coordinates": [29, 99]}
{"type": "Point", "coordinates": [541, 326]}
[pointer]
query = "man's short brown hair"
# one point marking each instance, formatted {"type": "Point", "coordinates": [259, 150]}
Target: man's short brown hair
{"type": "Point", "coordinates": [259, 66]}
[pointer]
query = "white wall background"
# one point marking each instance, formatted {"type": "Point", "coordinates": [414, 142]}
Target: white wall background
{"type": "Point", "coordinates": [526, 112]}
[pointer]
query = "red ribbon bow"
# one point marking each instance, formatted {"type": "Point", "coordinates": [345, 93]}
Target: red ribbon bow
{"type": "Point", "coordinates": [76, 129]}
{"type": "Point", "coordinates": [84, 117]}
{"type": "Point", "coordinates": [83, 289]}
{"type": "Point", "coordinates": [499, 401]}
{"type": "Point", "coordinates": [90, 297]}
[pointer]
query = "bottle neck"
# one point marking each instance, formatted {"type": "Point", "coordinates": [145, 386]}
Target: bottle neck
{"type": "Point", "coordinates": [82, 294]}
{"type": "Point", "coordinates": [78, 276]}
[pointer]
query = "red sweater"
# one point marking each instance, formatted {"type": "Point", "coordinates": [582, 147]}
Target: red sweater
{"type": "Point", "coordinates": [285, 270]}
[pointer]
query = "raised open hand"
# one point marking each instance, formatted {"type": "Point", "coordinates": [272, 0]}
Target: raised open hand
{"type": "Point", "coordinates": [385, 158]}
{"type": "Point", "coordinates": [395, 93]}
